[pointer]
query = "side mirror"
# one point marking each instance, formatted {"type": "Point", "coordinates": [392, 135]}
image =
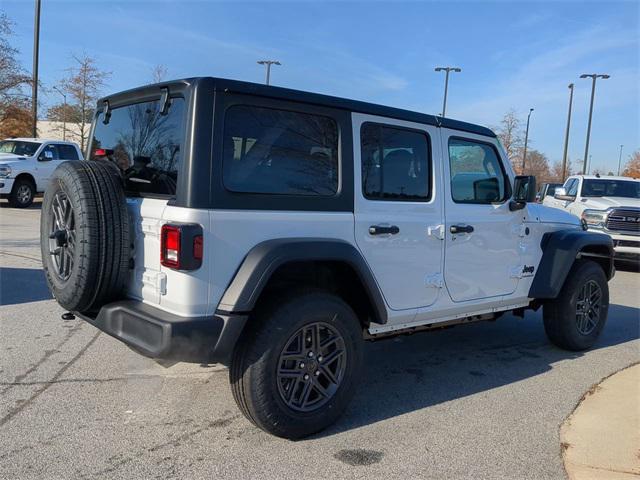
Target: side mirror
{"type": "Point", "coordinates": [46, 156]}
{"type": "Point", "coordinates": [524, 191]}
{"type": "Point", "coordinates": [561, 194]}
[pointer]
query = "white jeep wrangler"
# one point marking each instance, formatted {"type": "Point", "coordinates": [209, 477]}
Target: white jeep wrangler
{"type": "Point", "coordinates": [274, 230]}
{"type": "Point", "coordinates": [608, 205]}
{"type": "Point", "coordinates": [26, 165]}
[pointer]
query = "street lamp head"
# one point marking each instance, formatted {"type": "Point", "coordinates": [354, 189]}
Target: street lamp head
{"type": "Point", "coordinates": [585, 75]}
{"type": "Point", "coordinates": [605, 76]}
{"type": "Point", "coordinates": [531, 110]}
{"type": "Point", "coordinates": [456, 69]}
{"type": "Point", "coordinates": [439, 69]}
{"type": "Point", "coordinates": [571, 85]}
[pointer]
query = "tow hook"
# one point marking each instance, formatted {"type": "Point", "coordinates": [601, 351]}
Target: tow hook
{"type": "Point", "coordinates": [68, 316]}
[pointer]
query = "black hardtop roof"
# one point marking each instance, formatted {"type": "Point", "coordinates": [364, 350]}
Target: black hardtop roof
{"type": "Point", "coordinates": [249, 88]}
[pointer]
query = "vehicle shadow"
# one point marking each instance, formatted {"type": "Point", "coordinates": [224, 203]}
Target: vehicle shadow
{"type": "Point", "coordinates": [410, 373]}
{"type": "Point", "coordinates": [628, 266]}
{"type": "Point", "coordinates": [22, 285]}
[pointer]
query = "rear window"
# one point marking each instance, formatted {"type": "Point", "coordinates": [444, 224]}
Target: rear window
{"type": "Point", "coordinates": [146, 145]}
{"type": "Point", "coordinates": [279, 152]}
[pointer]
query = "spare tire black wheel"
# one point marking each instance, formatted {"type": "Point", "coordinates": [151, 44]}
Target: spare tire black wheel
{"type": "Point", "coordinates": [84, 235]}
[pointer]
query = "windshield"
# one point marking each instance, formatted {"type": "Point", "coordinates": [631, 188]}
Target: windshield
{"type": "Point", "coordinates": [19, 147]}
{"type": "Point", "coordinates": [145, 144]}
{"type": "Point", "coordinates": [610, 188]}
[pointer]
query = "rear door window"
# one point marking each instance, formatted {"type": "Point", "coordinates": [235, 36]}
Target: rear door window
{"type": "Point", "coordinates": [67, 152]}
{"type": "Point", "coordinates": [395, 163]}
{"type": "Point", "coordinates": [145, 144]}
{"type": "Point", "coordinates": [279, 152]}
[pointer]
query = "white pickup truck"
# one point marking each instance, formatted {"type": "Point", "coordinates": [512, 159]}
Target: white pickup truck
{"type": "Point", "coordinates": [26, 164]}
{"type": "Point", "coordinates": [609, 205]}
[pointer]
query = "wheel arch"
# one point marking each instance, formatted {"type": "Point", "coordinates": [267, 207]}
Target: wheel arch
{"type": "Point", "coordinates": [329, 263]}
{"type": "Point", "coordinates": [26, 176]}
{"type": "Point", "coordinates": [560, 250]}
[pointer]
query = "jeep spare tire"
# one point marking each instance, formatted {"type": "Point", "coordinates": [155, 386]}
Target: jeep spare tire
{"type": "Point", "coordinates": [84, 235]}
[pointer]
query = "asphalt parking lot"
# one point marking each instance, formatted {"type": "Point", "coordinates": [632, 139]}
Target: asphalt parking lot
{"type": "Point", "coordinates": [482, 401]}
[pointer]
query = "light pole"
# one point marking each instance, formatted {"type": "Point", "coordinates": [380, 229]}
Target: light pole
{"type": "Point", "coordinates": [34, 87]}
{"type": "Point", "coordinates": [446, 83]}
{"type": "Point", "coordinates": [268, 63]}
{"type": "Point", "coordinates": [566, 135]}
{"type": "Point", "coordinates": [620, 159]}
{"type": "Point", "coordinates": [64, 113]}
{"type": "Point", "coordinates": [526, 140]}
{"type": "Point", "coordinates": [593, 77]}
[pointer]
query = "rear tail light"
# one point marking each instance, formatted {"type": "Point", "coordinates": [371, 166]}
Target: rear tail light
{"type": "Point", "coordinates": [181, 246]}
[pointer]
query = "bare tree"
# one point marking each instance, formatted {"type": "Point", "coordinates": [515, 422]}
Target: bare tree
{"type": "Point", "coordinates": [159, 73]}
{"type": "Point", "coordinates": [538, 165]}
{"type": "Point", "coordinates": [510, 134]}
{"type": "Point", "coordinates": [12, 75]}
{"type": "Point", "coordinates": [15, 119]}
{"type": "Point", "coordinates": [555, 174]}
{"type": "Point", "coordinates": [83, 85]}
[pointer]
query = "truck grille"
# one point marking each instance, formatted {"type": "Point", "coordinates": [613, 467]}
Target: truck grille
{"type": "Point", "coordinates": [624, 220]}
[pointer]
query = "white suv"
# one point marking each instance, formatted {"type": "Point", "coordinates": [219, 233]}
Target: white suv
{"type": "Point", "coordinates": [26, 165]}
{"type": "Point", "coordinates": [274, 230]}
{"type": "Point", "coordinates": [609, 205]}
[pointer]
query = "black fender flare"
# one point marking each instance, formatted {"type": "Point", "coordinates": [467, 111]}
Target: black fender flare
{"type": "Point", "coordinates": [266, 257]}
{"type": "Point", "coordinates": [560, 250]}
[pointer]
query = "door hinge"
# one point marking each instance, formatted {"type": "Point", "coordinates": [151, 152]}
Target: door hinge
{"type": "Point", "coordinates": [434, 280]}
{"type": "Point", "coordinates": [436, 231]}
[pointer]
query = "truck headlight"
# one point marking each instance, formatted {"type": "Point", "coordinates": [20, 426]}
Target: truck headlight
{"type": "Point", "coordinates": [5, 171]}
{"type": "Point", "coordinates": [595, 218]}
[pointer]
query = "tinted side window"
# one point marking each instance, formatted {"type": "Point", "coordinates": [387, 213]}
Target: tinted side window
{"type": "Point", "coordinates": [476, 173]}
{"type": "Point", "coordinates": [146, 145]}
{"type": "Point", "coordinates": [279, 152]}
{"type": "Point", "coordinates": [54, 151]}
{"type": "Point", "coordinates": [67, 152]}
{"type": "Point", "coordinates": [395, 163]}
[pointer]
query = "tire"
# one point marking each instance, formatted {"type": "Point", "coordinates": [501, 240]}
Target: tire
{"type": "Point", "coordinates": [22, 193]}
{"type": "Point", "coordinates": [565, 322]}
{"type": "Point", "coordinates": [259, 391]}
{"type": "Point", "coordinates": [85, 255]}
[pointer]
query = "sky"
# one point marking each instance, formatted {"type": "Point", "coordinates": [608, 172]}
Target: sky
{"type": "Point", "coordinates": [513, 54]}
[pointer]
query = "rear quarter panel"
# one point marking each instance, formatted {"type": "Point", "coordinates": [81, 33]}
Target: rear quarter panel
{"type": "Point", "coordinates": [235, 232]}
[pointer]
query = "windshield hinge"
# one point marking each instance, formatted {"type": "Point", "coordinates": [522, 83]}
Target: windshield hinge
{"type": "Point", "coordinates": [107, 112]}
{"type": "Point", "coordinates": [164, 101]}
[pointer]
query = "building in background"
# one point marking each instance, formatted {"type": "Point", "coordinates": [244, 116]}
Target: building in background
{"type": "Point", "coordinates": [57, 131]}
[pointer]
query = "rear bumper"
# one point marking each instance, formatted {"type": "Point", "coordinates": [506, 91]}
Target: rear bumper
{"type": "Point", "coordinates": [159, 334]}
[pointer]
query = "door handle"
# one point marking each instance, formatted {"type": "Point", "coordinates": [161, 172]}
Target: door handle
{"type": "Point", "coordinates": [461, 229]}
{"type": "Point", "coordinates": [382, 229]}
